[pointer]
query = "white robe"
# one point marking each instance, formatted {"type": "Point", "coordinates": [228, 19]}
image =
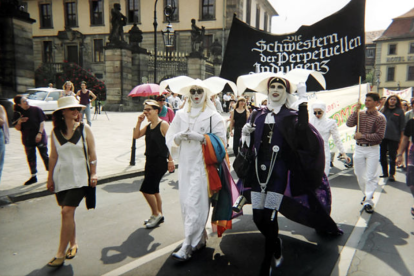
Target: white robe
{"type": "Point", "coordinates": [326, 127]}
{"type": "Point", "coordinates": [192, 176]}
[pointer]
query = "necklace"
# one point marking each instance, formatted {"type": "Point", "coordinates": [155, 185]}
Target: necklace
{"type": "Point", "coordinates": [195, 116]}
{"type": "Point", "coordinates": [270, 132]}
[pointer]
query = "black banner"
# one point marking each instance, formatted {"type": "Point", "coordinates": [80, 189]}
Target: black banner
{"type": "Point", "coordinates": [334, 46]}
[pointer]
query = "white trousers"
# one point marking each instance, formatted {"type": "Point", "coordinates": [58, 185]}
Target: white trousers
{"type": "Point", "coordinates": [366, 168]}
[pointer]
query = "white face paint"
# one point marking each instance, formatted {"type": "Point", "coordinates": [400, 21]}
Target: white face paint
{"type": "Point", "coordinates": [277, 92]}
{"type": "Point", "coordinates": [197, 94]}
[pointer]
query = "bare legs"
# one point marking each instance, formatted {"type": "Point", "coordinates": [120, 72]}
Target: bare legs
{"type": "Point", "coordinates": [67, 230]}
{"type": "Point", "coordinates": [155, 203]}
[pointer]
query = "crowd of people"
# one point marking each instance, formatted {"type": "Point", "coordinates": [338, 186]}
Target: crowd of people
{"type": "Point", "coordinates": [290, 165]}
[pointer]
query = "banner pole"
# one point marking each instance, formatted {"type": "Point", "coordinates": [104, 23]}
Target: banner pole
{"type": "Point", "coordinates": [359, 102]}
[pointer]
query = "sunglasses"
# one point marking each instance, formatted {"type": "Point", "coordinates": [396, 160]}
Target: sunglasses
{"type": "Point", "coordinates": [198, 91]}
{"type": "Point", "coordinates": [318, 112]}
{"type": "Point", "coordinates": [75, 108]}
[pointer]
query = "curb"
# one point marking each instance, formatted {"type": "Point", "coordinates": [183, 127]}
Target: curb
{"type": "Point", "coordinates": [13, 198]}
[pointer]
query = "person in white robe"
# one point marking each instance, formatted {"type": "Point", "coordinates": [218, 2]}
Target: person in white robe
{"type": "Point", "coordinates": [327, 127]}
{"type": "Point", "coordinates": [184, 140]}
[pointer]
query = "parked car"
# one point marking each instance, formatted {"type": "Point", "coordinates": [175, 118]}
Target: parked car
{"type": "Point", "coordinates": [43, 97]}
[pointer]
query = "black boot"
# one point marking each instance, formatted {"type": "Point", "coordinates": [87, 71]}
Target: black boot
{"type": "Point", "coordinates": [32, 180]}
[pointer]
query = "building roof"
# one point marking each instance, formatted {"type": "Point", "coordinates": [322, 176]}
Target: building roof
{"type": "Point", "coordinates": [371, 36]}
{"type": "Point", "coordinates": [401, 27]}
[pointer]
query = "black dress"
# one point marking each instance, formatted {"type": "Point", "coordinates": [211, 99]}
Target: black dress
{"type": "Point", "coordinates": [239, 122]}
{"type": "Point", "coordinates": [156, 164]}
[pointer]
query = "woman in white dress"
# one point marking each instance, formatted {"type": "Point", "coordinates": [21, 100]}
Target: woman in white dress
{"type": "Point", "coordinates": [327, 127]}
{"type": "Point", "coordinates": [184, 140]}
{"type": "Point", "coordinates": [72, 168]}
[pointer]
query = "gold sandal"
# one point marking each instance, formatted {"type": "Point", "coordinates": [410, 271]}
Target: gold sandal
{"type": "Point", "coordinates": [56, 262]}
{"type": "Point", "coordinates": [71, 253]}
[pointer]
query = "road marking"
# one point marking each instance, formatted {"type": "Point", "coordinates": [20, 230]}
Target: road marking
{"type": "Point", "coordinates": [147, 258]}
{"type": "Point", "coordinates": [348, 251]}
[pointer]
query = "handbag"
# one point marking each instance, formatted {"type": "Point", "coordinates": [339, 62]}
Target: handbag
{"type": "Point", "coordinates": [90, 196]}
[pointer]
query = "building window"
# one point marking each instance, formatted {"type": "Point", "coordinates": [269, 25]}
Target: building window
{"type": "Point", "coordinates": [96, 7]}
{"type": "Point", "coordinates": [174, 17]}
{"type": "Point", "coordinates": [98, 50]}
{"type": "Point", "coordinates": [390, 73]}
{"type": "Point", "coordinates": [410, 75]}
{"type": "Point", "coordinates": [257, 16]}
{"type": "Point", "coordinates": [70, 13]}
{"type": "Point", "coordinates": [207, 10]}
{"type": "Point", "coordinates": [133, 11]}
{"type": "Point", "coordinates": [411, 51]}
{"type": "Point", "coordinates": [370, 52]}
{"type": "Point", "coordinates": [392, 49]}
{"type": "Point", "coordinates": [248, 11]}
{"type": "Point", "coordinates": [45, 16]}
{"type": "Point", "coordinates": [47, 52]}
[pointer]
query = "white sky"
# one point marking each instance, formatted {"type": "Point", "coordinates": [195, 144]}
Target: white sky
{"type": "Point", "coordinates": [294, 13]}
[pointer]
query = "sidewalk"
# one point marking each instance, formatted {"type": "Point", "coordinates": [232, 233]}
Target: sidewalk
{"type": "Point", "coordinates": [113, 139]}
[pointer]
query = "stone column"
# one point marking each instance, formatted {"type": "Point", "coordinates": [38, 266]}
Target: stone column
{"type": "Point", "coordinates": [118, 77]}
{"type": "Point", "coordinates": [16, 51]}
{"type": "Point", "coordinates": [196, 68]}
{"type": "Point", "coordinates": [139, 76]}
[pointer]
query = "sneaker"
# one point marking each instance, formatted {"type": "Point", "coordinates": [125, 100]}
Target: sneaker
{"type": "Point", "coordinates": [182, 255]}
{"type": "Point", "coordinates": [32, 180]}
{"type": "Point", "coordinates": [369, 209]}
{"type": "Point", "coordinates": [391, 178]}
{"type": "Point", "coordinates": [147, 220]}
{"type": "Point", "coordinates": [153, 221]}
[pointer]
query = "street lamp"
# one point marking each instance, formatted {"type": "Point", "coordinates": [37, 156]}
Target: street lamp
{"type": "Point", "coordinates": [168, 33]}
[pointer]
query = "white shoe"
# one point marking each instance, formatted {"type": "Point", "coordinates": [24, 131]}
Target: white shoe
{"type": "Point", "coordinates": [153, 221]}
{"type": "Point", "coordinates": [182, 255]}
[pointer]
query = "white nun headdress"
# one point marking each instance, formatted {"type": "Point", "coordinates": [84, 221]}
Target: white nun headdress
{"type": "Point", "coordinates": [259, 81]}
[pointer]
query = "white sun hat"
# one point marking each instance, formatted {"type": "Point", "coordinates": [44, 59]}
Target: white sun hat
{"type": "Point", "coordinates": [182, 85]}
{"type": "Point", "coordinates": [259, 81]}
{"type": "Point", "coordinates": [68, 102]}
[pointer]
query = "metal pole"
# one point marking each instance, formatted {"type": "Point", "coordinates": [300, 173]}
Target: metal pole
{"type": "Point", "coordinates": [155, 41]}
{"type": "Point", "coordinates": [133, 148]}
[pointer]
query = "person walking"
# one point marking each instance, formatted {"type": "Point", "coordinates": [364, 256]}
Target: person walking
{"type": "Point", "coordinates": [166, 113]}
{"type": "Point", "coordinates": [72, 175]}
{"type": "Point", "coordinates": [288, 162]}
{"type": "Point", "coordinates": [30, 121]}
{"type": "Point", "coordinates": [238, 118]}
{"type": "Point", "coordinates": [157, 159]}
{"type": "Point", "coordinates": [327, 128]}
{"type": "Point", "coordinates": [368, 135]}
{"type": "Point", "coordinates": [393, 134]}
{"type": "Point", "coordinates": [184, 139]}
{"type": "Point", "coordinates": [4, 136]}
{"type": "Point", "coordinates": [84, 95]}
{"type": "Point", "coordinates": [226, 102]}
{"type": "Point", "coordinates": [68, 89]}
{"type": "Point", "coordinates": [176, 102]}
{"type": "Point", "coordinates": [405, 141]}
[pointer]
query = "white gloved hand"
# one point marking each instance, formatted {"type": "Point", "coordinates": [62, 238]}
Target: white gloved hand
{"type": "Point", "coordinates": [181, 136]}
{"type": "Point", "coordinates": [192, 135]}
{"type": "Point", "coordinates": [302, 91]}
{"type": "Point", "coordinates": [247, 129]}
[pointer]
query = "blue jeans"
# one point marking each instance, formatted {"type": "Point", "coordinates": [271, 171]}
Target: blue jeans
{"type": "Point", "coordinates": [87, 110]}
{"type": "Point", "coordinates": [2, 151]}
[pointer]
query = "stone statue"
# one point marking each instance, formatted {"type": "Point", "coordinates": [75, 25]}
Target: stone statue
{"type": "Point", "coordinates": [118, 21]}
{"type": "Point", "coordinates": [197, 36]}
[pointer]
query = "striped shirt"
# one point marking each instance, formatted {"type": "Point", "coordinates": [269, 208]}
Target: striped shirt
{"type": "Point", "coordinates": [371, 125]}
